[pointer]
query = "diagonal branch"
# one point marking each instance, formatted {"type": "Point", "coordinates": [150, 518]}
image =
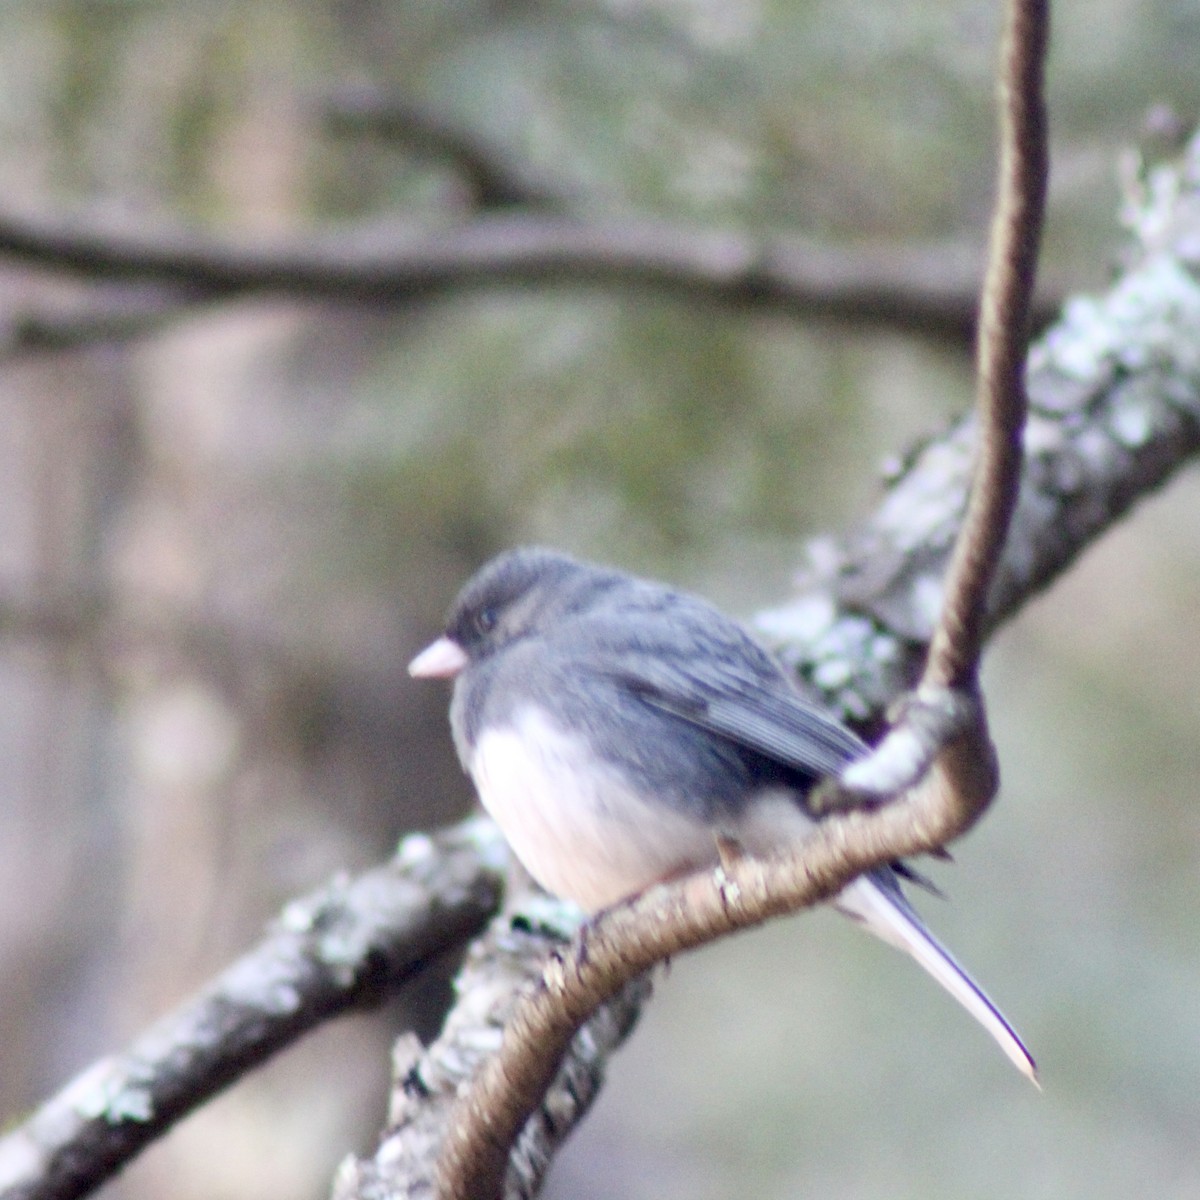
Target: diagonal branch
{"type": "Point", "coordinates": [494, 178]}
{"type": "Point", "coordinates": [346, 946]}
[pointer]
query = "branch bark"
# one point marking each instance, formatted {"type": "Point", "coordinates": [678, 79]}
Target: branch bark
{"type": "Point", "coordinates": [1003, 342]}
{"type": "Point", "coordinates": [929, 291]}
{"type": "Point", "coordinates": [346, 946]}
{"type": "Point", "coordinates": [494, 179]}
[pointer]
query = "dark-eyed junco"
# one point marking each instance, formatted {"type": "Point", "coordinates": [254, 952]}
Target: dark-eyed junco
{"type": "Point", "coordinates": [615, 728]}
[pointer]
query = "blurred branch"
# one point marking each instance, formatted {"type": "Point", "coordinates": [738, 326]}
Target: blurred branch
{"type": "Point", "coordinates": [495, 180]}
{"type": "Point", "coordinates": [347, 946]}
{"type": "Point", "coordinates": [106, 313]}
{"type": "Point", "coordinates": [1114, 412]}
{"type": "Point", "coordinates": [929, 291]}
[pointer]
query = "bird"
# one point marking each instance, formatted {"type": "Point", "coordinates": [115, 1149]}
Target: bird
{"type": "Point", "coordinates": [621, 732]}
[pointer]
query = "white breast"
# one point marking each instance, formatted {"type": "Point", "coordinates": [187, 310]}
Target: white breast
{"type": "Point", "coordinates": [577, 827]}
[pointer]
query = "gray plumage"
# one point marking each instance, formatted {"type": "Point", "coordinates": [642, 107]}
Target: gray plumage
{"type": "Point", "coordinates": [615, 726]}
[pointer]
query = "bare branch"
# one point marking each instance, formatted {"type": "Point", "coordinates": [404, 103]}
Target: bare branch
{"type": "Point", "coordinates": [108, 313]}
{"type": "Point", "coordinates": [495, 180]}
{"type": "Point", "coordinates": [507, 959]}
{"type": "Point", "coordinates": [346, 946]}
{"type": "Point", "coordinates": [969, 768]}
{"type": "Point", "coordinates": [929, 291]}
{"type": "Point", "coordinates": [1004, 331]}
{"type": "Point", "coordinates": [1114, 396]}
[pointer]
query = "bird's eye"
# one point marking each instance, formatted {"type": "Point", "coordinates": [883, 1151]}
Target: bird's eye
{"type": "Point", "coordinates": [485, 621]}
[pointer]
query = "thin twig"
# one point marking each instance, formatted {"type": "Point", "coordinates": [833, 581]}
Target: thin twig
{"type": "Point", "coordinates": [1003, 343]}
{"type": "Point", "coordinates": [496, 178]}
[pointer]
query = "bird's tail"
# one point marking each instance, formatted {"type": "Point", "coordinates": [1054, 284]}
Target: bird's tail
{"type": "Point", "coordinates": [877, 903]}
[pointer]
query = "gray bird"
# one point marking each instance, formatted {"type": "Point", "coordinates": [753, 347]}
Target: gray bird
{"type": "Point", "coordinates": [615, 728]}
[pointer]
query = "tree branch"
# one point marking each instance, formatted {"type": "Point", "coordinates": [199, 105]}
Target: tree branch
{"type": "Point", "coordinates": [106, 313]}
{"type": "Point", "coordinates": [494, 179]}
{"type": "Point", "coordinates": [1114, 396]}
{"type": "Point", "coordinates": [928, 291]}
{"type": "Point", "coordinates": [1003, 336]}
{"type": "Point", "coordinates": [500, 965]}
{"type": "Point", "coordinates": [347, 946]}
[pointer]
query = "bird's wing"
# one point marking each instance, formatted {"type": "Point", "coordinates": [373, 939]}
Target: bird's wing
{"type": "Point", "coordinates": [775, 723]}
{"type": "Point", "coordinates": [737, 691]}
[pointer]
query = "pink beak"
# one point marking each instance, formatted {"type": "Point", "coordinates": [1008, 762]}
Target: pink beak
{"type": "Point", "coordinates": [442, 659]}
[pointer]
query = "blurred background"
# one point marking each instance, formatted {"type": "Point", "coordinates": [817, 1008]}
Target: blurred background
{"type": "Point", "coordinates": [226, 530]}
